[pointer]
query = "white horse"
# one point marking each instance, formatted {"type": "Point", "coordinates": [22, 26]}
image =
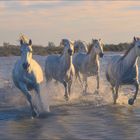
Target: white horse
{"type": "Point", "coordinates": [88, 63]}
{"type": "Point", "coordinates": [27, 74]}
{"type": "Point", "coordinates": [60, 67]}
{"type": "Point", "coordinates": [80, 46]}
{"type": "Point", "coordinates": [124, 70]}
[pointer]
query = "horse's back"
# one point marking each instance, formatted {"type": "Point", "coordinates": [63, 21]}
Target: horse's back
{"type": "Point", "coordinates": [78, 59]}
{"type": "Point", "coordinates": [51, 66]}
{"type": "Point", "coordinates": [52, 61]}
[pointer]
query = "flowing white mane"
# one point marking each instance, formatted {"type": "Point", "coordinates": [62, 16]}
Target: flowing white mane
{"type": "Point", "coordinates": [24, 38]}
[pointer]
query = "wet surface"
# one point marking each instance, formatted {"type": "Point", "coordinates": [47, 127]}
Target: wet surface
{"type": "Point", "coordinates": [88, 116]}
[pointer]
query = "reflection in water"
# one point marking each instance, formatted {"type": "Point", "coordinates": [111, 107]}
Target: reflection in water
{"type": "Point", "coordinates": [83, 117]}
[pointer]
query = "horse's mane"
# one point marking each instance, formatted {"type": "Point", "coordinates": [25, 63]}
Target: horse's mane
{"type": "Point", "coordinates": [24, 38]}
{"type": "Point", "coordinates": [80, 42]}
{"type": "Point", "coordinates": [129, 49]}
{"type": "Point", "coordinates": [91, 46]}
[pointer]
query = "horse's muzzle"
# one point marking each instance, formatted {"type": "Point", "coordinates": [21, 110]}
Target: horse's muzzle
{"type": "Point", "coordinates": [101, 55]}
{"type": "Point", "coordinates": [70, 52]}
{"type": "Point", "coordinates": [25, 65]}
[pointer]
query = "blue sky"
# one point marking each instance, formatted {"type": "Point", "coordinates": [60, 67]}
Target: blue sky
{"type": "Point", "coordinates": [43, 21]}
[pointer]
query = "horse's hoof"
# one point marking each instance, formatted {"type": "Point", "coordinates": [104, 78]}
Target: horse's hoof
{"type": "Point", "coordinates": [66, 98]}
{"type": "Point", "coordinates": [131, 101]}
{"type": "Point", "coordinates": [114, 103]}
{"type": "Point", "coordinates": [34, 114]}
{"type": "Point", "coordinates": [96, 92]}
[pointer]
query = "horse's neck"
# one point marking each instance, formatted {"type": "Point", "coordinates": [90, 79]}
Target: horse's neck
{"type": "Point", "coordinates": [92, 57]}
{"type": "Point", "coordinates": [67, 60]}
{"type": "Point", "coordinates": [131, 58]}
{"type": "Point", "coordinates": [29, 69]}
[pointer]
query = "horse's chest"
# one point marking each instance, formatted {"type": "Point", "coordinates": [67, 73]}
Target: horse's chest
{"type": "Point", "coordinates": [91, 69]}
{"type": "Point", "coordinates": [29, 79]}
{"type": "Point", "coordinates": [129, 76]}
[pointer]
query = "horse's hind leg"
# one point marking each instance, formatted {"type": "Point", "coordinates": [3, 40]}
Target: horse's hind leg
{"type": "Point", "coordinates": [131, 100]}
{"type": "Point", "coordinates": [98, 84]}
{"type": "Point", "coordinates": [24, 89]}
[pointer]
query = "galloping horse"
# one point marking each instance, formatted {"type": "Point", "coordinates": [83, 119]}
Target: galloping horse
{"type": "Point", "coordinates": [60, 67]}
{"type": "Point", "coordinates": [124, 70]}
{"type": "Point", "coordinates": [88, 63]}
{"type": "Point", "coordinates": [27, 74]}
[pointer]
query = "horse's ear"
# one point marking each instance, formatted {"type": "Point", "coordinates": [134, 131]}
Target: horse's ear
{"type": "Point", "coordinates": [30, 42]}
{"type": "Point", "coordinates": [21, 42]}
{"type": "Point", "coordinates": [135, 39]}
{"type": "Point", "coordinates": [93, 41]}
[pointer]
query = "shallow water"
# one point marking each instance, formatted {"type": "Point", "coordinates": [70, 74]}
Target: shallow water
{"type": "Point", "coordinates": [89, 116]}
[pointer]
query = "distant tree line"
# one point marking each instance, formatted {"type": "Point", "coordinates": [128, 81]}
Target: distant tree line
{"type": "Point", "coordinates": [7, 49]}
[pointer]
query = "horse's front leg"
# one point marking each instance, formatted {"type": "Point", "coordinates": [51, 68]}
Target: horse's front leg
{"type": "Point", "coordinates": [69, 86]}
{"type": "Point", "coordinates": [131, 100]}
{"type": "Point", "coordinates": [115, 93]}
{"type": "Point", "coordinates": [66, 90]}
{"type": "Point", "coordinates": [37, 89]}
{"type": "Point", "coordinates": [98, 84]}
{"type": "Point", "coordinates": [24, 89]}
{"type": "Point", "coordinates": [85, 83]}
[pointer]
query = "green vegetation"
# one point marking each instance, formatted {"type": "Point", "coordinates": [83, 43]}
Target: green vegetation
{"type": "Point", "coordinates": [118, 47]}
{"type": "Point", "coordinates": [9, 50]}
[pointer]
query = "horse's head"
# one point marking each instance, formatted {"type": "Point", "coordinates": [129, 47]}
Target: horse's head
{"type": "Point", "coordinates": [68, 46]}
{"type": "Point", "coordinates": [97, 46]}
{"type": "Point", "coordinates": [81, 46]}
{"type": "Point", "coordinates": [136, 43]}
{"type": "Point", "coordinates": [26, 53]}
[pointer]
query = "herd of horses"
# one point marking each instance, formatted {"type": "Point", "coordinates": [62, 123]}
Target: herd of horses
{"type": "Point", "coordinates": [28, 75]}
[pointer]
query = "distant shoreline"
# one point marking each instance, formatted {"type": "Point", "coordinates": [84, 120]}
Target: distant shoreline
{"type": "Point", "coordinates": [13, 50]}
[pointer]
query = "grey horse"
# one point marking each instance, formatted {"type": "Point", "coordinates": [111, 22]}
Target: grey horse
{"type": "Point", "coordinates": [60, 67]}
{"type": "Point", "coordinates": [80, 46]}
{"type": "Point", "coordinates": [88, 64]}
{"type": "Point", "coordinates": [124, 71]}
{"type": "Point", "coordinates": [27, 74]}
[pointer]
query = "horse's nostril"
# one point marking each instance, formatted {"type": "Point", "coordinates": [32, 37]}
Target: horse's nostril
{"type": "Point", "coordinates": [70, 51]}
{"type": "Point", "coordinates": [101, 54]}
{"type": "Point", "coordinates": [25, 66]}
